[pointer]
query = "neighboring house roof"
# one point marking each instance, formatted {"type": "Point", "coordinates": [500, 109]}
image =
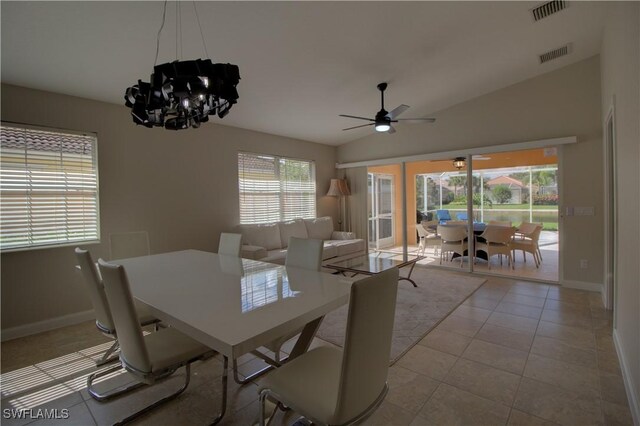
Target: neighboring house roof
{"type": "Point", "coordinates": [505, 180]}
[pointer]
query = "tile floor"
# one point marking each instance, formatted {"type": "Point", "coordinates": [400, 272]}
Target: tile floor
{"type": "Point", "coordinates": [513, 353]}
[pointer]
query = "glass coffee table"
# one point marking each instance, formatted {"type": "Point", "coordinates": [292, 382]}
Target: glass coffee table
{"type": "Point", "coordinates": [374, 263]}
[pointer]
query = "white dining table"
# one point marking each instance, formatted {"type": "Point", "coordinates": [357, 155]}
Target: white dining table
{"type": "Point", "coordinates": [234, 305]}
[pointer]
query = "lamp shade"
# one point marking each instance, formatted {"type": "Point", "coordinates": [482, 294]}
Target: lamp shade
{"type": "Point", "coordinates": [338, 188]}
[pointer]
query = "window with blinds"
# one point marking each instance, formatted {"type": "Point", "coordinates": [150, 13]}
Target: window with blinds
{"type": "Point", "coordinates": [48, 188]}
{"type": "Point", "coordinates": [274, 188]}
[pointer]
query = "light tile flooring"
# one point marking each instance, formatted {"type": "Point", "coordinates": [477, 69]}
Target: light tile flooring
{"type": "Point", "coordinates": [513, 353]}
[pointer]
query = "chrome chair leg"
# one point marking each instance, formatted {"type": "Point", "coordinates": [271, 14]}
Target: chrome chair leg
{"type": "Point", "coordinates": [161, 401]}
{"type": "Point", "coordinates": [223, 408]}
{"type": "Point", "coordinates": [113, 393]}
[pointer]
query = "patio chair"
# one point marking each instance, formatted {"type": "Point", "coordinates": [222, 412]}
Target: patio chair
{"type": "Point", "coordinates": [462, 216]}
{"type": "Point", "coordinates": [497, 240]}
{"type": "Point", "coordinates": [527, 240]}
{"type": "Point", "coordinates": [427, 237]}
{"type": "Point", "coordinates": [453, 239]}
{"type": "Point", "coordinates": [443, 216]}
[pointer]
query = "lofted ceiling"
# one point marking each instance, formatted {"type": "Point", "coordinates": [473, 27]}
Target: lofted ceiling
{"type": "Point", "coordinates": [301, 63]}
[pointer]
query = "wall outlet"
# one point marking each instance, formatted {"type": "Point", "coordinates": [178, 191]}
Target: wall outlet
{"type": "Point", "coordinates": [584, 263]}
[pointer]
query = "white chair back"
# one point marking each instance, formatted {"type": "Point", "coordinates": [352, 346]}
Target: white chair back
{"type": "Point", "coordinates": [452, 233]}
{"type": "Point", "coordinates": [129, 244]}
{"type": "Point", "coordinates": [498, 234]}
{"type": "Point", "coordinates": [365, 361]}
{"type": "Point", "coordinates": [133, 351]}
{"type": "Point", "coordinates": [230, 244]}
{"type": "Point", "coordinates": [96, 290]}
{"type": "Point", "coordinates": [304, 253]}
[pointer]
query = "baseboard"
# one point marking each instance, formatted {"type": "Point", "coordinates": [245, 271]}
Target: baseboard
{"type": "Point", "coordinates": [632, 392]}
{"type": "Point", "coordinates": [582, 285]}
{"type": "Point", "coordinates": [50, 324]}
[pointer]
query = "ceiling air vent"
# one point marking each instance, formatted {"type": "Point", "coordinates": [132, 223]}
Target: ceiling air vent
{"type": "Point", "coordinates": [555, 53]}
{"type": "Point", "coordinates": [548, 9]}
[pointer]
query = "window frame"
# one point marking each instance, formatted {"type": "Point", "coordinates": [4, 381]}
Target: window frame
{"type": "Point", "coordinates": [277, 158]}
{"type": "Point", "coordinates": [94, 144]}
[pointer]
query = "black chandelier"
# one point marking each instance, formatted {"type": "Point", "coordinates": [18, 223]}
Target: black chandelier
{"type": "Point", "coordinates": [182, 94]}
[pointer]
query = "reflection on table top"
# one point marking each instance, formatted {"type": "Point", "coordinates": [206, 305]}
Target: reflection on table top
{"type": "Point", "coordinates": [231, 304]}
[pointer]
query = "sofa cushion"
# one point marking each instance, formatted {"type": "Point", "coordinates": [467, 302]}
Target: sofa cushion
{"type": "Point", "coordinates": [329, 251]}
{"type": "Point", "coordinates": [278, 256]}
{"type": "Point", "coordinates": [264, 235]}
{"type": "Point", "coordinates": [320, 228]}
{"type": "Point", "coordinates": [253, 252]}
{"type": "Point", "coordinates": [344, 247]}
{"type": "Point", "coordinates": [292, 228]}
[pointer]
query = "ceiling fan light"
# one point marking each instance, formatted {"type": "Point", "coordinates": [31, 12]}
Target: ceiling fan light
{"type": "Point", "coordinates": [382, 127]}
{"type": "Point", "coordinates": [459, 162]}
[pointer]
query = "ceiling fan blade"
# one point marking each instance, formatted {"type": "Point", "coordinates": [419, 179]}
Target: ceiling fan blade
{"type": "Point", "coordinates": [480, 158]}
{"type": "Point", "coordinates": [391, 130]}
{"type": "Point", "coordinates": [357, 118]}
{"type": "Point", "coordinates": [356, 127]}
{"type": "Point", "coordinates": [418, 120]}
{"type": "Point", "coordinates": [396, 112]}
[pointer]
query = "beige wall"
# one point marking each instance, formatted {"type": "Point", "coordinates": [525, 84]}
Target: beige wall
{"type": "Point", "coordinates": [179, 186]}
{"type": "Point", "coordinates": [565, 102]}
{"type": "Point", "coordinates": [620, 79]}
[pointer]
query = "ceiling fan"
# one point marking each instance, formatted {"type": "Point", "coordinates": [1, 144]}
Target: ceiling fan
{"type": "Point", "coordinates": [383, 119]}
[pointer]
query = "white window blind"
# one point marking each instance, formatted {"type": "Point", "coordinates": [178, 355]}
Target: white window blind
{"type": "Point", "coordinates": [275, 188]}
{"type": "Point", "coordinates": [48, 188]}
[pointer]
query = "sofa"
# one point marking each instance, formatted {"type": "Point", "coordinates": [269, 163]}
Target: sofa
{"type": "Point", "coordinates": [268, 242]}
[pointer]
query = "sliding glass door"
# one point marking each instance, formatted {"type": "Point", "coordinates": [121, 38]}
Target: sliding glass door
{"type": "Point", "coordinates": [381, 211]}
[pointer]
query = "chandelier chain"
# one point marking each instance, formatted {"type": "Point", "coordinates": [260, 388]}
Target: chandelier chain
{"type": "Point", "coordinates": [200, 26]}
{"type": "Point", "coordinates": [164, 14]}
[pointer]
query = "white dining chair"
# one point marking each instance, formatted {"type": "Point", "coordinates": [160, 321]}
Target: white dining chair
{"type": "Point", "coordinates": [104, 320]}
{"type": "Point", "coordinates": [302, 253]}
{"type": "Point", "coordinates": [328, 385]}
{"type": "Point", "coordinates": [496, 240]}
{"type": "Point", "coordinates": [230, 244]}
{"type": "Point", "coordinates": [124, 245]}
{"type": "Point", "coordinates": [453, 240]}
{"type": "Point", "coordinates": [149, 358]}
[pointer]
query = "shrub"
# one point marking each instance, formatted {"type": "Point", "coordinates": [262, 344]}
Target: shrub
{"type": "Point", "coordinates": [502, 194]}
{"type": "Point", "coordinates": [545, 200]}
